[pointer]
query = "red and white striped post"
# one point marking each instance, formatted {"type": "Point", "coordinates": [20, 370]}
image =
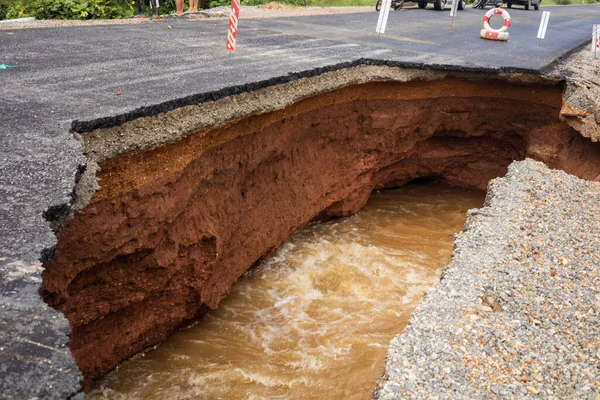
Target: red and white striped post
{"type": "Point", "coordinates": [233, 21]}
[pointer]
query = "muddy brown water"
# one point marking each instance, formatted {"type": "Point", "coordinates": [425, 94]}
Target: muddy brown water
{"type": "Point", "coordinates": [315, 318]}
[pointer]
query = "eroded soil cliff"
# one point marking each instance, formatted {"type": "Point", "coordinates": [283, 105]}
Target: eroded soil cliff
{"type": "Point", "coordinates": [173, 226]}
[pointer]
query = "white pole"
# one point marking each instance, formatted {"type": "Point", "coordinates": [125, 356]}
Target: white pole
{"type": "Point", "coordinates": [453, 11]}
{"type": "Point", "coordinates": [454, 7]}
{"type": "Point", "coordinates": [543, 26]}
{"type": "Point", "coordinates": [383, 16]}
{"type": "Point", "coordinates": [595, 40]}
{"type": "Point", "coordinates": [388, 7]}
{"type": "Point", "coordinates": [539, 35]}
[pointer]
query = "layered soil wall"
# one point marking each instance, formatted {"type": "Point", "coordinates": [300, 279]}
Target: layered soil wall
{"type": "Point", "coordinates": [171, 227]}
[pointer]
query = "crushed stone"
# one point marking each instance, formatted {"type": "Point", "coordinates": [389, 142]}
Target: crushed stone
{"type": "Point", "coordinates": [517, 312]}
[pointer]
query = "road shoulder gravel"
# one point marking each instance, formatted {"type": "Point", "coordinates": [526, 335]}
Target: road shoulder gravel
{"type": "Point", "coordinates": [247, 12]}
{"type": "Point", "coordinates": [517, 312]}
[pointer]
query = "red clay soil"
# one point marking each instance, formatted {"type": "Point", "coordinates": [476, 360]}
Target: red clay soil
{"type": "Point", "coordinates": [173, 227]}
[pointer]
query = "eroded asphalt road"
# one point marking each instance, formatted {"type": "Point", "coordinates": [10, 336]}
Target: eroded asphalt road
{"type": "Point", "coordinates": [66, 74]}
{"type": "Point", "coordinates": [63, 74]}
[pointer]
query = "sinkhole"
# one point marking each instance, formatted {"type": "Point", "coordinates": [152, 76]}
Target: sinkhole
{"type": "Point", "coordinates": [171, 209]}
{"type": "Point", "coordinates": [315, 318]}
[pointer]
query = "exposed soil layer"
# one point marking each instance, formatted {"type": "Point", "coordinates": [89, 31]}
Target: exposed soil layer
{"type": "Point", "coordinates": [172, 227]}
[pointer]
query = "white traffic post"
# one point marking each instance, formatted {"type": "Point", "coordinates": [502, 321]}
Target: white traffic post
{"type": "Point", "coordinates": [596, 41]}
{"type": "Point", "coordinates": [453, 12]}
{"type": "Point", "coordinates": [383, 16]}
{"type": "Point", "coordinates": [543, 26]}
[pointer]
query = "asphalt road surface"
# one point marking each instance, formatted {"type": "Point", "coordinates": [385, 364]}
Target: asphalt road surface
{"type": "Point", "coordinates": [66, 74]}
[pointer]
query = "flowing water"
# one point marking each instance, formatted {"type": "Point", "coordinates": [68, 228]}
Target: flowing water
{"type": "Point", "coordinates": [314, 320]}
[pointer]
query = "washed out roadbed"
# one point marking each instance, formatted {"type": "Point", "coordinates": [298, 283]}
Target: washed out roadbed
{"type": "Point", "coordinates": [516, 314]}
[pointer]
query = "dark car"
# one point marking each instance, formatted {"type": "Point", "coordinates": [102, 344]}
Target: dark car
{"type": "Point", "coordinates": [440, 4]}
{"type": "Point", "coordinates": [437, 4]}
{"type": "Point", "coordinates": [525, 3]}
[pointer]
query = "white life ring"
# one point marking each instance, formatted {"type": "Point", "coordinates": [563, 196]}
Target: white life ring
{"type": "Point", "coordinates": [495, 34]}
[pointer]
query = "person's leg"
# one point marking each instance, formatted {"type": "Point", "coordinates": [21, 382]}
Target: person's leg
{"type": "Point", "coordinates": [179, 7]}
{"type": "Point", "coordinates": [140, 8]}
{"type": "Point", "coordinates": [193, 5]}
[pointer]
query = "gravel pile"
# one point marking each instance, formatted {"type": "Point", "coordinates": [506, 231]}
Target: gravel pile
{"type": "Point", "coordinates": [225, 11]}
{"type": "Point", "coordinates": [516, 314]}
{"type": "Point", "coordinates": [581, 106]}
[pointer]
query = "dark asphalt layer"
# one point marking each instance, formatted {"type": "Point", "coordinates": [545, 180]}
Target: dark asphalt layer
{"type": "Point", "coordinates": [67, 74]}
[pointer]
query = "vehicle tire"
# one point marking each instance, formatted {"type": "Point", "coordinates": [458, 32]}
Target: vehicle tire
{"type": "Point", "coordinates": [461, 4]}
{"type": "Point", "coordinates": [536, 7]}
{"type": "Point", "coordinates": [378, 5]}
{"type": "Point", "coordinates": [508, 5]}
{"type": "Point", "coordinates": [476, 3]}
{"type": "Point", "coordinates": [422, 4]}
{"type": "Point", "coordinates": [526, 7]}
{"type": "Point", "coordinates": [438, 5]}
